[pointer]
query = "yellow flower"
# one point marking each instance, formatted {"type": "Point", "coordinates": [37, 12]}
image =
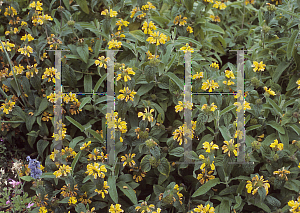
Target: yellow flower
{"type": "Point", "coordinates": [217, 4]}
{"type": "Point", "coordinates": [128, 159]}
{"type": "Point", "coordinates": [63, 171]}
{"type": "Point", "coordinates": [214, 65]}
{"type": "Point", "coordinates": [209, 85]}
{"type": "Point", "coordinates": [156, 38]}
{"type": "Point", "coordinates": [150, 56]}
{"type": "Point", "coordinates": [215, 18]}
{"type": "Point", "coordinates": [239, 106]}
{"type": "Point", "coordinates": [127, 94]}
{"type": "Point", "coordinates": [205, 176]}
{"type": "Point", "coordinates": [114, 44]}
{"type": "Point", "coordinates": [50, 74]}
{"type": "Point", "coordinates": [277, 146]}
{"type": "Point", "coordinates": [249, 2]}
{"type": "Point", "coordinates": [28, 37]}
{"type": "Point", "coordinates": [72, 200]}
{"type": "Point", "coordinates": [103, 191]}
{"type": "Point", "coordinates": [210, 146]}
{"type": "Point", "coordinates": [181, 21]}
{"type": "Point", "coordinates": [295, 205]}
{"type": "Point", "coordinates": [147, 6]}
{"type": "Point", "coordinates": [222, 6]}
{"type": "Point", "coordinates": [37, 5]}
{"type": "Point", "coordinates": [282, 173]}
{"type": "Point", "coordinates": [116, 209]}
{"type": "Point", "coordinates": [207, 208]}
{"type": "Point", "coordinates": [121, 23]}
{"type": "Point", "coordinates": [269, 91]}
{"type": "Point", "coordinates": [111, 13]}
{"type": "Point", "coordinates": [95, 170]}
{"type": "Point", "coordinates": [257, 183]}
{"type": "Point", "coordinates": [258, 66]}
{"type": "Point", "coordinates": [229, 74]}
{"type": "Point", "coordinates": [147, 114]}
{"type": "Point", "coordinates": [26, 50]}
{"type": "Point", "coordinates": [230, 147]}
{"type": "Point", "coordinates": [85, 145]}
{"type": "Point", "coordinates": [180, 106]}
{"type": "Point", "coordinates": [148, 28]}
{"type": "Point", "coordinates": [187, 48]}
{"type": "Point", "coordinates": [198, 75]}
{"type": "Point", "coordinates": [189, 29]}
{"type": "Point", "coordinates": [10, 11]}
{"type": "Point", "coordinates": [43, 209]}
{"type": "Point", "coordinates": [102, 62]}
{"type": "Point", "coordinates": [229, 82]}
{"type": "Point", "coordinates": [7, 107]}
{"type": "Point", "coordinates": [125, 73]}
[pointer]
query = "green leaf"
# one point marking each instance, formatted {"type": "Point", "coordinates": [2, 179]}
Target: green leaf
{"type": "Point", "coordinates": [88, 83]}
{"type": "Point", "coordinates": [149, 73]}
{"type": "Point", "coordinates": [275, 107]}
{"type": "Point", "coordinates": [213, 27]}
{"type": "Point", "coordinates": [29, 122]}
{"type": "Point", "coordinates": [185, 40]}
{"type": "Point", "coordinates": [164, 166]}
{"type": "Point", "coordinates": [67, 4]}
{"type": "Point", "coordinates": [279, 70]}
{"type": "Point", "coordinates": [83, 5]}
{"type": "Point", "coordinates": [144, 89]}
{"type": "Point", "coordinates": [47, 175]}
{"type": "Point", "coordinates": [27, 178]}
{"type": "Point", "coordinates": [260, 19]}
{"type": "Point", "coordinates": [75, 161]}
{"type": "Point", "coordinates": [128, 191]}
{"type": "Point", "coordinates": [295, 127]}
{"type": "Point", "coordinates": [291, 44]}
{"type": "Point", "coordinates": [83, 52]}
{"type": "Point", "coordinates": [19, 112]}
{"type": "Point", "coordinates": [289, 102]}
{"type": "Point", "coordinates": [292, 83]}
{"type": "Point", "coordinates": [84, 101]}
{"type": "Point", "coordinates": [224, 206]}
{"type": "Point", "coordinates": [263, 206]}
{"type": "Point", "coordinates": [177, 152]}
{"type": "Point", "coordinates": [276, 126]}
{"type": "Point", "coordinates": [189, 4]}
{"type": "Point", "coordinates": [100, 81]}
{"type": "Point", "coordinates": [145, 163]}
{"type": "Point", "coordinates": [138, 34]}
{"type": "Point", "coordinates": [75, 141]}
{"type": "Point", "coordinates": [112, 191]}
{"type": "Point", "coordinates": [178, 81]}
{"type": "Point", "coordinates": [43, 106]}
{"type": "Point", "coordinates": [75, 123]}
{"type": "Point", "coordinates": [96, 135]}
{"type": "Point", "coordinates": [227, 109]}
{"type": "Point", "coordinates": [253, 127]}
{"type": "Point", "coordinates": [225, 133]}
{"type": "Point", "coordinates": [206, 187]}
{"type": "Point", "coordinates": [41, 146]}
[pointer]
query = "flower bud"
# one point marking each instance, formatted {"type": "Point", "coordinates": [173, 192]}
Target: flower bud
{"type": "Point", "coordinates": [266, 29]}
{"type": "Point", "coordinates": [256, 145]}
{"type": "Point", "coordinates": [258, 101]}
{"type": "Point", "coordinates": [253, 121]}
{"type": "Point", "coordinates": [276, 157]}
{"type": "Point", "coordinates": [71, 23]}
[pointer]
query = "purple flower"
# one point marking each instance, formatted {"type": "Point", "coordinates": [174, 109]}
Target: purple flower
{"type": "Point", "coordinates": [8, 202]}
{"type": "Point", "coordinates": [29, 205]}
{"type": "Point", "coordinates": [14, 183]}
{"type": "Point", "coordinates": [34, 166]}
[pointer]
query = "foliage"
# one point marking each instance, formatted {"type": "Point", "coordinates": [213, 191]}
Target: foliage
{"type": "Point", "coordinates": [150, 172]}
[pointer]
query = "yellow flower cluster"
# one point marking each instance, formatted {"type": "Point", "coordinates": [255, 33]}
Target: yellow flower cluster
{"type": "Point", "coordinates": [68, 152]}
{"type": "Point", "coordinates": [63, 171]}
{"type": "Point", "coordinates": [97, 155]}
{"type": "Point", "coordinates": [54, 42]}
{"type": "Point", "coordinates": [206, 163]}
{"type": "Point", "coordinates": [72, 200]}
{"type": "Point", "coordinates": [180, 21]}
{"type": "Point", "coordinates": [115, 209]}
{"type": "Point", "coordinates": [249, 2]}
{"type": "Point", "coordinates": [134, 11]}
{"type": "Point", "coordinates": [295, 205]}
{"type": "Point", "coordinates": [156, 38]}
{"type": "Point", "coordinates": [62, 133]}
{"type": "Point", "coordinates": [37, 5]}
{"type": "Point", "coordinates": [256, 183]}
{"type": "Point", "coordinates": [215, 18]}
{"type": "Point", "coordinates": [127, 94]}
{"type": "Point", "coordinates": [17, 69]}
{"type": "Point", "coordinates": [114, 44]}
{"type": "Point", "coordinates": [7, 46]}
{"type": "Point", "coordinates": [230, 147]}
{"type": "Point", "coordinates": [114, 122]}
{"type": "Point", "coordinates": [150, 56]}
{"type": "Point", "coordinates": [258, 66]}
{"type": "Point", "coordinates": [27, 37]}
{"type": "Point", "coordinates": [189, 29]}
{"type": "Point", "coordinates": [47, 116]}
{"type": "Point", "coordinates": [7, 107]}
{"type": "Point", "coordinates": [50, 74]}
{"type": "Point", "coordinates": [240, 106]}
{"type": "Point", "coordinates": [143, 207]}
{"type": "Point", "coordinates": [276, 146]}
{"type": "Point", "coordinates": [138, 174]}
{"type": "Point", "coordinates": [26, 50]}
{"type": "Point", "coordinates": [103, 191]}
{"type": "Point", "coordinates": [31, 70]}
{"type": "Point", "coordinates": [220, 5]}
{"type": "Point", "coordinates": [214, 65]}
{"type": "Point", "coordinates": [40, 19]}
{"type": "Point", "coordinates": [198, 75]}
{"type": "Point", "coordinates": [121, 23]}
{"type": "Point", "coordinates": [209, 85]}
{"type": "Point", "coordinates": [102, 61]}
{"type": "Point", "coordinates": [181, 105]}
{"type": "Point", "coordinates": [128, 159]}
{"type": "Point", "coordinates": [183, 131]}
{"type": "Point", "coordinates": [187, 48]}
{"type": "Point", "coordinates": [125, 73]}
{"type": "Point", "coordinates": [69, 97]}
{"type": "Point", "coordinates": [210, 146]}
{"type": "Point", "coordinates": [205, 176]}
{"type": "Point", "coordinates": [148, 6]}
{"type": "Point", "coordinates": [148, 27]}
{"type": "Point", "coordinates": [111, 13]}
{"type": "Point", "coordinates": [96, 170]}
{"type": "Point", "coordinates": [147, 114]}
{"type": "Point", "coordinates": [298, 81]}
{"type": "Point", "coordinates": [282, 173]}
{"type": "Point", "coordinates": [269, 91]}
{"type": "Point", "coordinates": [204, 209]}
{"type": "Point", "coordinates": [10, 11]}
